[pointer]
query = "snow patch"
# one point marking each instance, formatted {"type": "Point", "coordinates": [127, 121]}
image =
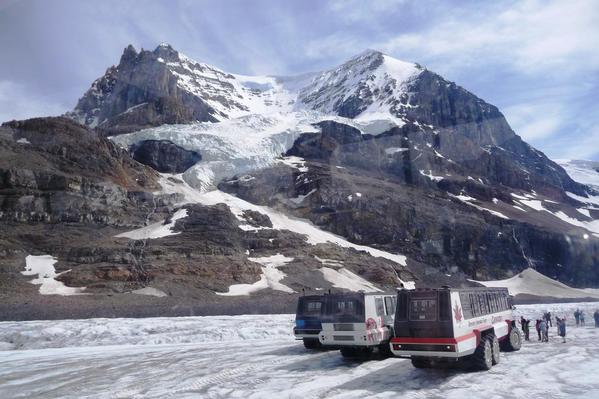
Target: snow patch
{"type": "Point", "coordinates": [151, 291]}
{"type": "Point", "coordinates": [43, 267]}
{"type": "Point", "coordinates": [431, 176]}
{"type": "Point", "coordinates": [345, 279]}
{"type": "Point", "coordinates": [294, 162]}
{"type": "Point", "coordinates": [271, 277]}
{"type": "Point", "coordinates": [467, 200]}
{"type": "Point", "coordinates": [394, 150]}
{"type": "Point", "coordinates": [300, 198]}
{"type": "Point", "coordinates": [156, 230]}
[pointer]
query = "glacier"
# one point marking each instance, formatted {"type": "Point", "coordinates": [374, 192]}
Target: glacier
{"type": "Point", "coordinates": [256, 356]}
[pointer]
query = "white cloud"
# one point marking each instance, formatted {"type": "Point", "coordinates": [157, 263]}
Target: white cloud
{"type": "Point", "coordinates": [555, 37]}
{"type": "Point", "coordinates": [583, 145]}
{"type": "Point", "coordinates": [359, 10]}
{"type": "Point", "coordinates": [534, 121]}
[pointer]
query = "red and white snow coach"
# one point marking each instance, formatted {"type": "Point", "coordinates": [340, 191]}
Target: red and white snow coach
{"type": "Point", "coordinates": [434, 326]}
{"type": "Point", "coordinates": [358, 323]}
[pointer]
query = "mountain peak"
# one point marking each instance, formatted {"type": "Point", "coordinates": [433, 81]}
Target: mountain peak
{"type": "Point", "coordinates": [369, 53]}
{"type": "Point", "coordinates": [129, 53]}
{"type": "Point", "coordinates": [166, 52]}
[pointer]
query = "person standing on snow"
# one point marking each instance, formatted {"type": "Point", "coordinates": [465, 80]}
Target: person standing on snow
{"type": "Point", "coordinates": [525, 328]}
{"type": "Point", "coordinates": [561, 328]}
{"type": "Point", "coordinates": [538, 327]}
{"type": "Point", "coordinates": [596, 317]}
{"type": "Point", "coordinates": [544, 334]}
{"type": "Point", "coordinates": [581, 318]}
{"type": "Point", "coordinates": [577, 317]}
{"type": "Point", "coordinates": [548, 319]}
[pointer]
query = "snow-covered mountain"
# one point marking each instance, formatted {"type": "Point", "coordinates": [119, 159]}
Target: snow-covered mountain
{"type": "Point", "coordinates": [369, 86]}
{"type": "Point", "coordinates": [369, 174]}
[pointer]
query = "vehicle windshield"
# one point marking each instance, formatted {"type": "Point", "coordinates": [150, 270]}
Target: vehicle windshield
{"type": "Point", "coordinates": [345, 309]}
{"type": "Point", "coordinates": [423, 309]}
{"type": "Point", "coordinates": [309, 307]}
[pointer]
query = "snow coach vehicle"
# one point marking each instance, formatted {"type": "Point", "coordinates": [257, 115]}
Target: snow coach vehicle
{"type": "Point", "coordinates": [469, 325]}
{"type": "Point", "coordinates": [358, 323]}
{"type": "Point", "coordinates": [308, 319]}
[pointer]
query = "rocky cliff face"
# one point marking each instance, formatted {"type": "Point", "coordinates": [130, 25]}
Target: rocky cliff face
{"type": "Point", "coordinates": [140, 91]}
{"type": "Point", "coordinates": [396, 191]}
{"type": "Point", "coordinates": [56, 171]}
{"type": "Point", "coordinates": [164, 156]}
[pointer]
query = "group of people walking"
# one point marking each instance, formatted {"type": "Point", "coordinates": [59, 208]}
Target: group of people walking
{"type": "Point", "coordinates": [579, 317]}
{"type": "Point", "coordinates": [542, 325]}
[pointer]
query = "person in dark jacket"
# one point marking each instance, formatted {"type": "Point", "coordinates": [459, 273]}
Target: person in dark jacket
{"type": "Point", "coordinates": [596, 317]}
{"type": "Point", "coordinates": [577, 317]}
{"type": "Point", "coordinates": [538, 328]}
{"type": "Point", "coordinates": [525, 328]}
{"type": "Point", "coordinates": [561, 328]}
{"type": "Point", "coordinates": [548, 319]}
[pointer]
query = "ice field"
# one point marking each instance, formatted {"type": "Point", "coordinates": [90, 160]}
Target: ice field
{"type": "Point", "coordinates": [255, 356]}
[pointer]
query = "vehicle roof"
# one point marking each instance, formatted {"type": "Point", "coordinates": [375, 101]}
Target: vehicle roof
{"type": "Point", "coordinates": [312, 296]}
{"type": "Point", "coordinates": [347, 294]}
{"type": "Point", "coordinates": [457, 289]}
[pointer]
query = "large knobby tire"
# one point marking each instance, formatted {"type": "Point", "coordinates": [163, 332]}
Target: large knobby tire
{"type": "Point", "coordinates": [349, 352]}
{"type": "Point", "coordinates": [495, 348]}
{"type": "Point", "coordinates": [421, 362]}
{"type": "Point", "coordinates": [311, 343]}
{"type": "Point", "coordinates": [482, 359]}
{"type": "Point", "coordinates": [356, 353]}
{"type": "Point", "coordinates": [513, 342]}
{"type": "Point", "coordinates": [385, 350]}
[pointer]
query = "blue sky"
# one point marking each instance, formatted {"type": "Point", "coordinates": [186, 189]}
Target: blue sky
{"type": "Point", "coordinates": [538, 61]}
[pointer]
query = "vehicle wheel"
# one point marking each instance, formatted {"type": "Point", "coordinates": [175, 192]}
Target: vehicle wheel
{"type": "Point", "coordinates": [495, 349]}
{"type": "Point", "coordinates": [349, 352]}
{"type": "Point", "coordinates": [421, 363]}
{"type": "Point", "coordinates": [365, 353]}
{"type": "Point", "coordinates": [311, 343]}
{"type": "Point", "coordinates": [385, 349]}
{"type": "Point", "coordinates": [513, 342]}
{"type": "Point", "coordinates": [482, 359]}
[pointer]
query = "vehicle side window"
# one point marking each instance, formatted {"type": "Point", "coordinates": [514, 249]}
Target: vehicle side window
{"type": "Point", "coordinates": [390, 305]}
{"type": "Point", "coordinates": [475, 305]}
{"type": "Point", "coordinates": [491, 302]}
{"type": "Point", "coordinates": [482, 300]}
{"type": "Point", "coordinates": [466, 305]}
{"type": "Point", "coordinates": [380, 309]}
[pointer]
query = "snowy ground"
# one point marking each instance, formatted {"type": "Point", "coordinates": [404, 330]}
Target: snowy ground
{"type": "Point", "coordinates": [255, 356]}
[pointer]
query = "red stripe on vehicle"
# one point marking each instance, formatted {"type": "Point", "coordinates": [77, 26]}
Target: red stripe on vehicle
{"type": "Point", "coordinates": [411, 340]}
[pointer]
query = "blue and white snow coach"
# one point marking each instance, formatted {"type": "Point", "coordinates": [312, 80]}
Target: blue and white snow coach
{"type": "Point", "coordinates": [308, 319]}
{"type": "Point", "coordinates": [436, 326]}
{"type": "Point", "coordinates": [358, 323]}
